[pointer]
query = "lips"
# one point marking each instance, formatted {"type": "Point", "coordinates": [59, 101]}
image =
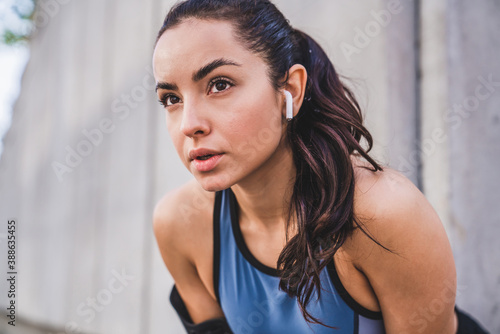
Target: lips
{"type": "Point", "coordinates": [206, 163]}
{"type": "Point", "coordinates": [202, 154]}
{"type": "Point", "coordinates": [205, 157]}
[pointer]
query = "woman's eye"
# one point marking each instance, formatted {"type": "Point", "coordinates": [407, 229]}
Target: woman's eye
{"type": "Point", "coordinates": [217, 86]}
{"type": "Point", "coordinates": [220, 85]}
{"type": "Point", "coordinates": [169, 98]}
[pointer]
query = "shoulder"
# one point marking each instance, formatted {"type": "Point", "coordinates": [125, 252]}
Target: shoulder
{"type": "Point", "coordinates": [181, 215]}
{"type": "Point", "coordinates": [392, 208]}
{"type": "Point", "coordinates": [419, 265]}
{"type": "Point", "coordinates": [384, 196]}
{"type": "Point", "coordinates": [182, 223]}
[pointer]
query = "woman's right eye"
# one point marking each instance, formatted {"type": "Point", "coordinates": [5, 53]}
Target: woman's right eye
{"type": "Point", "coordinates": [164, 101]}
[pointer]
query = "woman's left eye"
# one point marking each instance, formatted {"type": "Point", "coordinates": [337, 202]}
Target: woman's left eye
{"type": "Point", "coordinates": [218, 85]}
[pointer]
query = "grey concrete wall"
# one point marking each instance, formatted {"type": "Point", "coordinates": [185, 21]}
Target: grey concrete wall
{"type": "Point", "coordinates": [473, 121]}
{"type": "Point", "coordinates": [90, 69]}
{"type": "Point", "coordinates": [86, 252]}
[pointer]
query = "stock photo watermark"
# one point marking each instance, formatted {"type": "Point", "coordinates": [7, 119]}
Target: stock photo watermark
{"type": "Point", "coordinates": [46, 11]}
{"type": "Point", "coordinates": [11, 273]}
{"type": "Point", "coordinates": [364, 36]}
{"type": "Point", "coordinates": [454, 116]}
{"type": "Point", "coordinates": [256, 318]}
{"type": "Point", "coordinates": [96, 304]}
{"type": "Point", "coordinates": [121, 109]}
{"type": "Point", "coordinates": [426, 315]}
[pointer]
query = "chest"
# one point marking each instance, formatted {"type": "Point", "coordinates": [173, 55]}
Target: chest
{"type": "Point", "coordinates": [265, 249]}
{"type": "Point", "coordinates": [252, 302]}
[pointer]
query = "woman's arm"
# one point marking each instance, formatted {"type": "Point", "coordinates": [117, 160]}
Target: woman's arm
{"type": "Point", "coordinates": [175, 235]}
{"type": "Point", "coordinates": [415, 285]}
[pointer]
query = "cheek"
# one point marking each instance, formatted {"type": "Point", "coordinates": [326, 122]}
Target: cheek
{"type": "Point", "coordinates": [256, 127]}
{"type": "Point", "coordinates": [258, 117]}
{"type": "Point", "coordinates": [175, 136]}
{"type": "Point", "coordinates": [172, 121]}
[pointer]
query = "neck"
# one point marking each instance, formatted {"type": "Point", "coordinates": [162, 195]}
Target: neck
{"type": "Point", "coordinates": [264, 195]}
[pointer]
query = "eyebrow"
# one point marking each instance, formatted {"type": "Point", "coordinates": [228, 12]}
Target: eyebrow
{"type": "Point", "coordinates": [200, 74]}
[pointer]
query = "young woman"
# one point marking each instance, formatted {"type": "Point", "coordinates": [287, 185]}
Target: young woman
{"type": "Point", "coordinates": [288, 226]}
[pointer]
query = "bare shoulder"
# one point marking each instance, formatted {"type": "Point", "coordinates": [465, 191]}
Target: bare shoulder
{"type": "Point", "coordinates": [419, 265]}
{"type": "Point", "coordinates": [180, 214]}
{"type": "Point", "coordinates": [182, 224]}
{"type": "Point", "coordinates": [385, 192]}
{"type": "Point", "coordinates": [391, 207]}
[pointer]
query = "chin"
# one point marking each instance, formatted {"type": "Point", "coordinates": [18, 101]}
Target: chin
{"type": "Point", "coordinates": [213, 183]}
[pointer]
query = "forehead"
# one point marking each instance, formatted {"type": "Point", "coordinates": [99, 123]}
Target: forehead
{"type": "Point", "coordinates": [194, 42]}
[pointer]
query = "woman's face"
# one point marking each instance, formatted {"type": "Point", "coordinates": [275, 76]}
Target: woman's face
{"type": "Point", "coordinates": [230, 109]}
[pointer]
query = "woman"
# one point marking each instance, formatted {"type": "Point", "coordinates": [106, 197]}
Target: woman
{"type": "Point", "coordinates": [289, 226]}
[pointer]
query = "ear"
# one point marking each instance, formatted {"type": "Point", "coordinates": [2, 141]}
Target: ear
{"type": "Point", "coordinates": [297, 79]}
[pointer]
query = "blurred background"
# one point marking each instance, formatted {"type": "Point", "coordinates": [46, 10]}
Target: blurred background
{"type": "Point", "coordinates": [86, 155]}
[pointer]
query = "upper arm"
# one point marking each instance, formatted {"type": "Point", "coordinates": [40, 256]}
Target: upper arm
{"type": "Point", "coordinates": [415, 284]}
{"type": "Point", "coordinates": [171, 228]}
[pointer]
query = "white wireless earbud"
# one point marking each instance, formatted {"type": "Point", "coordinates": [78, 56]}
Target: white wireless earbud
{"type": "Point", "coordinates": [289, 105]}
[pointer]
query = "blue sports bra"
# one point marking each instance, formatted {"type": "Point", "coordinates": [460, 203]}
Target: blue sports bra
{"type": "Point", "coordinates": [248, 291]}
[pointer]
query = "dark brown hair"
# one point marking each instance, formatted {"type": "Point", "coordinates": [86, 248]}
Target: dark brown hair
{"type": "Point", "coordinates": [326, 131]}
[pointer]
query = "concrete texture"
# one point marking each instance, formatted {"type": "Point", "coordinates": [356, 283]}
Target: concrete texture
{"type": "Point", "coordinates": [474, 127]}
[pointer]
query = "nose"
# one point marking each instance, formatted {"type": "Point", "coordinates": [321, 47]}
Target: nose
{"type": "Point", "coordinates": [194, 121]}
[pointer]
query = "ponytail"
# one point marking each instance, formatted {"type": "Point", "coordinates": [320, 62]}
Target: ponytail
{"type": "Point", "coordinates": [326, 131]}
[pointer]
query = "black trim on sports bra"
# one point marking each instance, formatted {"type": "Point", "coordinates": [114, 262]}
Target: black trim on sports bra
{"type": "Point", "coordinates": [240, 241]}
{"type": "Point", "coordinates": [356, 323]}
{"type": "Point", "coordinates": [334, 277]}
{"type": "Point", "coordinates": [216, 222]}
{"type": "Point", "coordinates": [332, 272]}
